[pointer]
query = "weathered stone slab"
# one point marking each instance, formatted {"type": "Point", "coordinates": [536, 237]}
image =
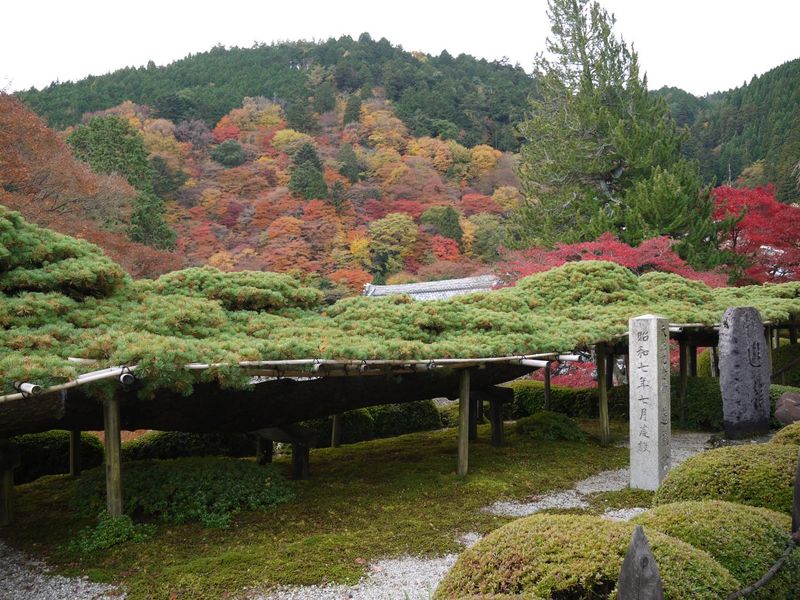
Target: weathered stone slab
{"type": "Point", "coordinates": [744, 373]}
{"type": "Point", "coordinates": [787, 408]}
{"type": "Point", "coordinates": [650, 427]}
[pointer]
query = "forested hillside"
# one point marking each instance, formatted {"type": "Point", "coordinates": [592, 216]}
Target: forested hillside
{"type": "Point", "coordinates": [473, 101]}
{"type": "Point", "coordinates": [751, 132]}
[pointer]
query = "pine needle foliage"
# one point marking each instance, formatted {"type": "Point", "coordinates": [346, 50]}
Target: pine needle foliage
{"type": "Point", "coordinates": [60, 297]}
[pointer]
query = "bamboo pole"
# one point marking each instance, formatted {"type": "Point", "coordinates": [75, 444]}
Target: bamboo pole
{"type": "Point", "coordinates": [496, 417]}
{"type": "Point", "coordinates": [602, 384]}
{"type": "Point", "coordinates": [463, 424]}
{"type": "Point", "coordinates": [547, 393]}
{"type": "Point", "coordinates": [684, 378]}
{"type": "Point", "coordinates": [113, 470]}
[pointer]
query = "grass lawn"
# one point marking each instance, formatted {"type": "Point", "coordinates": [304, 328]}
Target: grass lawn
{"type": "Point", "coordinates": [383, 498]}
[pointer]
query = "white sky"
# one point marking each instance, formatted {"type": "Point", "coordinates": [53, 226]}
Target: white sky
{"type": "Point", "coordinates": [699, 45]}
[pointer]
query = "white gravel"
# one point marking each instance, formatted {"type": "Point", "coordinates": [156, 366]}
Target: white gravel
{"type": "Point", "coordinates": [26, 578]}
{"type": "Point", "coordinates": [406, 578]}
{"type": "Point", "coordinates": [622, 514]}
{"type": "Point", "coordinates": [684, 445]}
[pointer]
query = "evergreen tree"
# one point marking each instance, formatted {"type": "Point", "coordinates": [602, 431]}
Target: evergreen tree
{"type": "Point", "coordinates": [348, 163]}
{"type": "Point", "coordinates": [111, 145]}
{"type": "Point", "coordinates": [337, 195]}
{"type": "Point", "coordinates": [165, 181]}
{"type": "Point", "coordinates": [148, 225]}
{"type": "Point", "coordinates": [324, 97]}
{"type": "Point", "coordinates": [299, 116]}
{"type": "Point", "coordinates": [306, 179]}
{"type": "Point", "coordinates": [352, 110]}
{"type": "Point", "coordinates": [600, 150]}
{"type": "Point", "coordinates": [229, 153]}
{"type": "Point", "coordinates": [446, 221]}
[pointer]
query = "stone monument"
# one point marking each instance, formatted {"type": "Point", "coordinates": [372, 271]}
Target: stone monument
{"type": "Point", "coordinates": [744, 373]}
{"type": "Point", "coordinates": [650, 427]}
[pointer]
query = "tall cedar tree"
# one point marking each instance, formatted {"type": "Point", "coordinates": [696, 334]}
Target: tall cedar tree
{"type": "Point", "coordinates": [352, 110]}
{"type": "Point", "coordinates": [306, 179]}
{"type": "Point", "coordinates": [601, 153]}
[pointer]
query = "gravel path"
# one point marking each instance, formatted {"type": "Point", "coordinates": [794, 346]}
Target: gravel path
{"type": "Point", "coordinates": [684, 445]}
{"type": "Point", "coordinates": [25, 578]}
{"type": "Point", "coordinates": [398, 578]}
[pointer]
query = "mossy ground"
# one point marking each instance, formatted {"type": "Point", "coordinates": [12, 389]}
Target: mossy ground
{"type": "Point", "coordinates": [374, 499]}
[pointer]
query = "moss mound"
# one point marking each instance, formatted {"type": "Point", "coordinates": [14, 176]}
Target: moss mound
{"type": "Point", "coordinates": [788, 435]}
{"type": "Point", "coordinates": [548, 425]}
{"type": "Point", "coordinates": [575, 557]}
{"type": "Point", "coordinates": [743, 539]}
{"type": "Point", "coordinates": [755, 474]}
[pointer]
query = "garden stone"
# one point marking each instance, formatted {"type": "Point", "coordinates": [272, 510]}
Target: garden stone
{"type": "Point", "coordinates": [744, 373]}
{"type": "Point", "coordinates": [787, 408]}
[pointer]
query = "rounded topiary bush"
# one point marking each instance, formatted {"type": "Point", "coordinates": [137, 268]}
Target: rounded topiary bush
{"type": "Point", "coordinates": [48, 454]}
{"type": "Point", "coordinates": [754, 474]}
{"type": "Point", "coordinates": [575, 557]}
{"type": "Point", "coordinates": [177, 444]}
{"type": "Point", "coordinates": [744, 539]}
{"type": "Point", "coordinates": [205, 489]}
{"type": "Point", "coordinates": [548, 425]}
{"type": "Point", "coordinates": [788, 435]}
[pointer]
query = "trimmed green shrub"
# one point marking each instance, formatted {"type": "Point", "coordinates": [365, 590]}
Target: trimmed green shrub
{"type": "Point", "coordinates": [548, 425]}
{"type": "Point", "coordinates": [109, 532]}
{"type": "Point", "coordinates": [396, 419]}
{"type": "Point", "coordinates": [48, 454]}
{"type": "Point", "coordinates": [754, 474]}
{"type": "Point", "coordinates": [788, 435]}
{"type": "Point", "coordinates": [209, 490]}
{"type": "Point", "coordinates": [387, 420]}
{"type": "Point", "coordinates": [703, 408]}
{"type": "Point", "coordinates": [745, 540]}
{"type": "Point", "coordinates": [575, 557]}
{"type": "Point", "coordinates": [177, 444]}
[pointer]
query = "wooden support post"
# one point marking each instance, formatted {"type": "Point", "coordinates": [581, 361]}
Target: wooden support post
{"type": "Point", "coordinates": [547, 391]}
{"type": "Point", "coordinates": [639, 578]}
{"type": "Point", "coordinates": [9, 459]}
{"type": "Point", "coordinates": [610, 370]}
{"type": "Point", "coordinates": [602, 384]}
{"type": "Point", "coordinates": [683, 386]}
{"type": "Point", "coordinates": [463, 423]}
{"type": "Point", "coordinates": [692, 360]}
{"type": "Point", "coordinates": [264, 450]}
{"type": "Point", "coordinates": [793, 334]}
{"type": "Point", "coordinates": [628, 368]}
{"type": "Point", "coordinates": [300, 461]}
{"type": "Point", "coordinates": [473, 418]}
{"type": "Point", "coordinates": [336, 431]}
{"type": "Point", "coordinates": [113, 471]}
{"type": "Point", "coordinates": [496, 417]}
{"type": "Point", "coordinates": [75, 453]}
{"type": "Point", "coordinates": [768, 335]}
{"type": "Point", "coordinates": [714, 359]}
{"type": "Point", "coordinates": [796, 503]}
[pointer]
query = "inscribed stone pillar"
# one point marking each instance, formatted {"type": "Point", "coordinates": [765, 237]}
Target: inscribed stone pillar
{"type": "Point", "coordinates": [744, 373]}
{"type": "Point", "coordinates": [648, 344]}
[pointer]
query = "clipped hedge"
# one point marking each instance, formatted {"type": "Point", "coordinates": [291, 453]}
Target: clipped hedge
{"type": "Point", "coordinates": [788, 435]}
{"type": "Point", "coordinates": [48, 454]}
{"type": "Point", "coordinates": [388, 420]}
{"type": "Point", "coordinates": [753, 474]}
{"type": "Point", "coordinates": [548, 425]}
{"type": "Point", "coordinates": [703, 408]}
{"type": "Point", "coordinates": [575, 557]}
{"type": "Point", "coordinates": [206, 489]}
{"type": "Point", "coordinates": [177, 444]}
{"type": "Point", "coordinates": [745, 540]}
